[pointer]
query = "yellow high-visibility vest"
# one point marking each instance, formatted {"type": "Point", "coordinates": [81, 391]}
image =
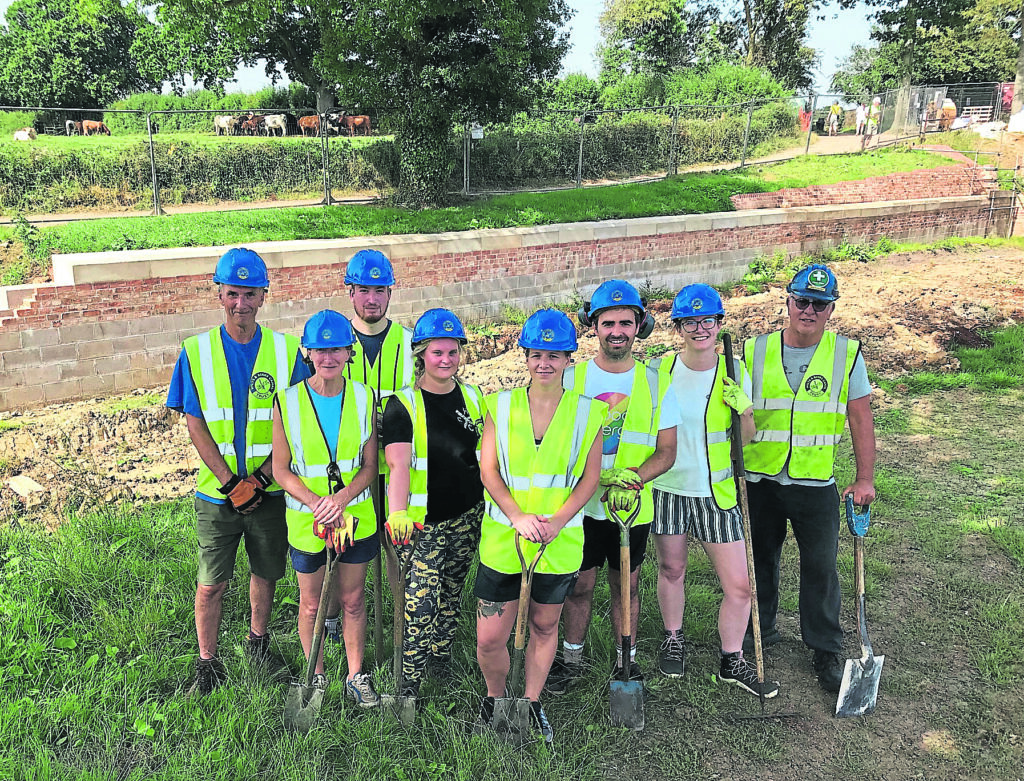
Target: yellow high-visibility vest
{"type": "Point", "coordinates": [311, 457]}
{"type": "Point", "coordinates": [275, 362]}
{"type": "Point", "coordinates": [539, 477]}
{"type": "Point", "coordinates": [393, 368]}
{"type": "Point", "coordinates": [806, 426]}
{"type": "Point", "coordinates": [412, 400]}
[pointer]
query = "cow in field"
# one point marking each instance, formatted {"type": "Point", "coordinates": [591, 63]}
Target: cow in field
{"type": "Point", "coordinates": [254, 125]}
{"type": "Point", "coordinates": [73, 127]}
{"type": "Point", "coordinates": [224, 124]}
{"type": "Point", "coordinates": [354, 122]}
{"type": "Point", "coordinates": [25, 134]}
{"type": "Point", "coordinates": [275, 122]}
{"type": "Point", "coordinates": [310, 126]}
{"type": "Point", "coordinates": [91, 128]}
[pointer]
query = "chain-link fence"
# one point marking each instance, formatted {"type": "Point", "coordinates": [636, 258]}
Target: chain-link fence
{"type": "Point", "coordinates": [78, 162]}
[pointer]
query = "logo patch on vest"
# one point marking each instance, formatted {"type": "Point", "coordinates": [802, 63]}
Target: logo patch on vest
{"type": "Point", "coordinates": [262, 385]}
{"type": "Point", "coordinates": [816, 386]}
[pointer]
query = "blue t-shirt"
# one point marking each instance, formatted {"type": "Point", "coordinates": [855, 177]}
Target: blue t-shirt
{"type": "Point", "coordinates": [241, 358]}
{"type": "Point", "coordinates": [328, 412]}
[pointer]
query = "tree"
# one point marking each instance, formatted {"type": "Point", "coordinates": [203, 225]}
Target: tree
{"type": "Point", "coordinates": [775, 38]}
{"type": "Point", "coordinates": [68, 54]}
{"type": "Point", "coordinates": [438, 62]}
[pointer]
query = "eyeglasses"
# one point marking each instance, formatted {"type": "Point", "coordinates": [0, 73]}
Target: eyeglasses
{"type": "Point", "coordinates": [691, 326]}
{"type": "Point", "coordinates": [803, 303]}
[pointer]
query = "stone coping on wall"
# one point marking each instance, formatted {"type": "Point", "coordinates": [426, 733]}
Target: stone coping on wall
{"type": "Point", "coordinates": [127, 265]}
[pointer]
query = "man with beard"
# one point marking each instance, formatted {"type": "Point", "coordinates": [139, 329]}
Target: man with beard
{"type": "Point", "coordinates": [639, 443]}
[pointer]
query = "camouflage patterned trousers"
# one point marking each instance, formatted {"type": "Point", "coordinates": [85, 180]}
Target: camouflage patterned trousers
{"type": "Point", "coordinates": [433, 591]}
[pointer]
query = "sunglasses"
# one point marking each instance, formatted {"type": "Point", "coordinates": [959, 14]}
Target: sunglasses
{"type": "Point", "coordinates": [691, 326]}
{"type": "Point", "coordinates": [803, 303]}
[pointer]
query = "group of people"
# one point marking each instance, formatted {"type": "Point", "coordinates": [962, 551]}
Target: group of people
{"type": "Point", "coordinates": [373, 439]}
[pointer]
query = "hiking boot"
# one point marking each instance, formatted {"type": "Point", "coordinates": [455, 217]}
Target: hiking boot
{"type": "Point", "coordinates": [829, 667]}
{"type": "Point", "coordinates": [672, 655]}
{"type": "Point", "coordinates": [320, 682]}
{"type": "Point", "coordinates": [332, 629]}
{"type": "Point", "coordinates": [769, 637]}
{"type": "Point", "coordinates": [540, 722]}
{"type": "Point", "coordinates": [260, 654]}
{"type": "Point", "coordinates": [359, 689]}
{"type": "Point", "coordinates": [635, 673]}
{"type": "Point", "coordinates": [209, 674]}
{"type": "Point", "coordinates": [739, 672]}
{"type": "Point", "coordinates": [561, 676]}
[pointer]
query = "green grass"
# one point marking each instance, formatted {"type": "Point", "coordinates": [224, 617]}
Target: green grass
{"type": "Point", "coordinates": [139, 401]}
{"type": "Point", "coordinates": [821, 170]}
{"type": "Point", "coordinates": [121, 140]}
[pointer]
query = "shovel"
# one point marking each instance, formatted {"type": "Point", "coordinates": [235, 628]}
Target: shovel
{"type": "Point", "coordinates": [304, 700]}
{"type": "Point", "coordinates": [627, 697]}
{"type": "Point", "coordinates": [404, 708]}
{"type": "Point", "coordinates": [512, 716]}
{"type": "Point", "coordinates": [859, 689]}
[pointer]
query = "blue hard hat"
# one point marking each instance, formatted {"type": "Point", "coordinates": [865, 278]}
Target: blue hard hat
{"type": "Point", "coordinates": [241, 267]}
{"type": "Point", "coordinates": [615, 293]}
{"type": "Point", "coordinates": [327, 329]}
{"type": "Point", "coordinates": [697, 300]}
{"type": "Point", "coordinates": [369, 267]}
{"type": "Point", "coordinates": [816, 281]}
{"type": "Point", "coordinates": [438, 324]}
{"type": "Point", "coordinates": [548, 329]}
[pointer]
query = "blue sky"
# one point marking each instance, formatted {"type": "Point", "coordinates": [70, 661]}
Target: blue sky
{"type": "Point", "coordinates": [833, 37]}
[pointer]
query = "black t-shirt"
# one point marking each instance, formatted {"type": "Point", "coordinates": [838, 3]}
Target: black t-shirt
{"type": "Point", "coordinates": [453, 476]}
{"type": "Point", "coordinates": [372, 345]}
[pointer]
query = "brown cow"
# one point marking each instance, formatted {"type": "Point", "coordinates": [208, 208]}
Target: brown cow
{"type": "Point", "coordinates": [90, 127]}
{"type": "Point", "coordinates": [254, 125]}
{"type": "Point", "coordinates": [310, 124]}
{"type": "Point", "coordinates": [353, 122]}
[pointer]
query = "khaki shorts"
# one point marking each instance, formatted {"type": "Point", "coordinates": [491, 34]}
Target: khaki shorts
{"type": "Point", "coordinates": [220, 529]}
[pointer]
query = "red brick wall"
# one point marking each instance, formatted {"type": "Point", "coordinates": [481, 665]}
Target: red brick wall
{"type": "Point", "coordinates": [927, 183]}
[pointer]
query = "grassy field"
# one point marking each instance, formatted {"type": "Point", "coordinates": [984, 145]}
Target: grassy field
{"type": "Point", "coordinates": [99, 637]}
{"type": "Point", "coordinates": [55, 143]}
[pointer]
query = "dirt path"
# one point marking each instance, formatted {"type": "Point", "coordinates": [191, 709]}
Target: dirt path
{"type": "Point", "coordinates": [906, 309]}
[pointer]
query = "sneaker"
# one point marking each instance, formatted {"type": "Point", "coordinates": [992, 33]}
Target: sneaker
{"type": "Point", "coordinates": [739, 672]}
{"type": "Point", "coordinates": [672, 655]}
{"type": "Point", "coordinates": [359, 688]}
{"type": "Point", "coordinates": [320, 682]}
{"type": "Point", "coordinates": [332, 629]}
{"type": "Point", "coordinates": [486, 713]}
{"type": "Point", "coordinates": [829, 667]}
{"type": "Point", "coordinates": [769, 637]}
{"type": "Point", "coordinates": [561, 676]}
{"type": "Point", "coordinates": [635, 673]}
{"type": "Point", "coordinates": [209, 674]}
{"type": "Point", "coordinates": [540, 722]}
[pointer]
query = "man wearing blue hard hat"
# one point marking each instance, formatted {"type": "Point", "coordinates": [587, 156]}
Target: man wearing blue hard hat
{"type": "Point", "coordinates": [639, 443]}
{"type": "Point", "coordinates": [224, 382]}
{"type": "Point", "coordinates": [807, 382]}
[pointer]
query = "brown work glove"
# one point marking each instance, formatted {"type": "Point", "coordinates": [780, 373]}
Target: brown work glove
{"type": "Point", "coordinates": [243, 495]}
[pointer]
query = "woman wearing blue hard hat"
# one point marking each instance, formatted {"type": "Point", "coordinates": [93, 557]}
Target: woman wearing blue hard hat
{"type": "Point", "coordinates": [325, 456]}
{"type": "Point", "coordinates": [540, 462]}
{"type": "Point", "coordinates": [431, 437]}
{"type": "Point", "coordinates": [697, 496]}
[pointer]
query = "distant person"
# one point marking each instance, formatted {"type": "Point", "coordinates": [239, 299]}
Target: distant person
{"type": "Point", "coordinates": [862, 117]}
{"type": "Point", "coordinates": [833, 118]}
{"type": "Point", "coordinates": [948, 114]}
{"type": "Point", "coordinates": [874, 117]}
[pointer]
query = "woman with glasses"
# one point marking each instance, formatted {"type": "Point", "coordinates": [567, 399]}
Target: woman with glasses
{"type": "Point", "coordinates": [431, 436]}
{"type": "Point", "coordinates": [325, 457]}
{"type": "Point", "coordinates": [698, 495]}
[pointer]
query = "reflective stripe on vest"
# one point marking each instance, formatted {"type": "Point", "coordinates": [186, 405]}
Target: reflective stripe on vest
{"type": "Point", "coordinates": [412, 400]}
{"type": "Point", "coordinates": [272, 371]}
{"type": "Point", "coordinates": [638, 438]}
{"type": "Point", "coordinates": [800, 428]}
{"type": "Point", "coordinates": [539, 477]}
{"type": "Point", "coordinates": [310, 458]}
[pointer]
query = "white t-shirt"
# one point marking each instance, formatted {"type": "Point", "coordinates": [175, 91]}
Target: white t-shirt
{"type": "Point", "coordinates": [690, 476]}
{"type": "Point", "coordinates": [614, 390]}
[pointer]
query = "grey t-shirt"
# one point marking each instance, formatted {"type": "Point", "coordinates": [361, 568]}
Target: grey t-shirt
{"type": "Point", "coordinates": [795, 361]}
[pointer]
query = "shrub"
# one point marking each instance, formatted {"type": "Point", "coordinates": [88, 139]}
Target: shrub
{"type": "Point", "coordinates": [635, 90]}
{"type": "Point", "coordinates": [723, 84]}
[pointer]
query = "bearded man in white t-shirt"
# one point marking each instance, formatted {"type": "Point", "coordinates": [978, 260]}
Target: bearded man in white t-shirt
{"type": "Point", "coordinates": [639, 443]}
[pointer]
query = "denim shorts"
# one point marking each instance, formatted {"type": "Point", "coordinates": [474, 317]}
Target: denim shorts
{"type": "Point", "coordinates": [360, 552]}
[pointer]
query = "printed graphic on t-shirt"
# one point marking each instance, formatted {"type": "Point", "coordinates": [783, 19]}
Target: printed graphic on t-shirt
{"type": "Point", "coordinates": [468, 423]}
{"type": "Point", "coordinates": [618, 404]}
{"type": "Point", "coordinates": [802, 370]}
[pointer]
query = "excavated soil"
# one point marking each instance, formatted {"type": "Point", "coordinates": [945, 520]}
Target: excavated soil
{"type": "Point", "coordinates": [907, 310]}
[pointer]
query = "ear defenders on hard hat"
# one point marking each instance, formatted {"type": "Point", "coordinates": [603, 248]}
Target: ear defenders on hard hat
{"type": "Point", "coordinates": [613, 294]}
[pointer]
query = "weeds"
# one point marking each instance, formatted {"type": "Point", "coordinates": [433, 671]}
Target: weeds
{"type": "Point", "coordinates": [512, 315]}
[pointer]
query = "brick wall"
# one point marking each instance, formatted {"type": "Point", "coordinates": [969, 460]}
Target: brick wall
{"type": "Point", "coordinates": [909, 185]}
{"type": "Point", "coordinates": [114, 321]}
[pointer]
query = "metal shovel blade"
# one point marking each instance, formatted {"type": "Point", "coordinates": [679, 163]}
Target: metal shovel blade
{"type": "Point", "coordinates": [512, 719]}
{"type": "Point", "coordinates": [302, 706]}
{"type": "Point", "coordinates": [403, 708]}
{"type": "Point", "coordinates": [859, 689]}
{"type": "Point", "coordinates": [627, 704]}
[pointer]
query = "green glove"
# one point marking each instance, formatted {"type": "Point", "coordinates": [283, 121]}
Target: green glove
{"type": "Point", "coordinates": [734, 396]}
{"type": "Point", "coordinates": [621, 500]}
{"type": "Point", "coordinates": [621, 478]}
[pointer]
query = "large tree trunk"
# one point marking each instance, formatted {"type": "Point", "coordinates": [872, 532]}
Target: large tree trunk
{"type": "Point", "coordinates": [750, 32]}
{"type": "Point", "coordinates": [908, 33]}
{"type": "Point", "coordinates": [1018, 83]}
{"type": "Point", "coordinates": [324, 98]}
{"type": "Point", "coordinates": [426, 160]}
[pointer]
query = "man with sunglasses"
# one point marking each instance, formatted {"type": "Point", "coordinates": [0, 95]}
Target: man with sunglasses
{"type": "Point", "coordinates": [806, 382]}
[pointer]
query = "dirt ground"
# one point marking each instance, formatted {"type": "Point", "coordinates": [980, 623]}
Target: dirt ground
{"type": "Point", "coordinates": [907, 309]}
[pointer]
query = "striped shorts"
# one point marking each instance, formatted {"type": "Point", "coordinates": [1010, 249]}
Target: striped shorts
{"type": "Point", "coordinates": [698, 516]}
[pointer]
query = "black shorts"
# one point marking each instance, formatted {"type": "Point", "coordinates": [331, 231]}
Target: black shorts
{"type": "Point", "coordinates": [601, 544]}
{"type": "Point", "coordinates": [546, 589]}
